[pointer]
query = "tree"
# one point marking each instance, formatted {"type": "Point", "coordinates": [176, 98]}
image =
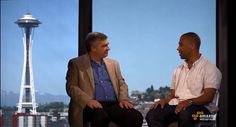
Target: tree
{"type": "Point", "coordinates": [149, 90]}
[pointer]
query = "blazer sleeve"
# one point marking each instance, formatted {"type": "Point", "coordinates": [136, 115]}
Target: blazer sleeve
{"type": "Point", "coordinates": [78, 96]}
{"type": "Point", "coordinates": [123, 88]}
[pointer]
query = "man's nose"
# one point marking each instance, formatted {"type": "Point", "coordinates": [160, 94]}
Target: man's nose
{"type": "Point", "coordinates": [177, 48]}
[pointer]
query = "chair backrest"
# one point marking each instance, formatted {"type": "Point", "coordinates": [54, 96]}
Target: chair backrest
{"type": "Point", "coordinates": [217, 97]}
{"type": "Point", "coordinates": [213, 122]}
{"type": "Point", "coordinates": [217, 101]}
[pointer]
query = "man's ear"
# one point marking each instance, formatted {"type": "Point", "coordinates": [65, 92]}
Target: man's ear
{"type": "Point", "coordinates": [93, 48]}
{"type": "Point", "coordinates": [193, 46]}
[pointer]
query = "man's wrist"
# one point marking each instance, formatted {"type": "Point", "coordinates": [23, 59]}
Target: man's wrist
{"type": "Point", "coordinates": [167, 99]}
{"type": "Point", "coordinates": [124, 100]}
{"type": "Point", "coordinates": [190, 101]}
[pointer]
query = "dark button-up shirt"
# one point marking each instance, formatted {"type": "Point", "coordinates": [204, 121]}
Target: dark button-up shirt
{"type": "Point", "coordinates": [104, 90]}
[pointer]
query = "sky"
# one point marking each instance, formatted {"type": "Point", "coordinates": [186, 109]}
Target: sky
{"type": "Point", "coordinates": [143, 37]}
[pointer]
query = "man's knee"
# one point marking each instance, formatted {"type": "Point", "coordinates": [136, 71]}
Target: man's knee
{"type": "Point", "coordinates": [150, 115]}
{"type": "Point", "coordinates": [156, 113]}
{"type": "Point", "coordinates": [138, 117]}
{"type": "Point", "coordinates": [135, 119]}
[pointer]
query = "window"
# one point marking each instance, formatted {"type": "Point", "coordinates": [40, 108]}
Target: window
{"type": "Point", "coordinates": [144, 35]}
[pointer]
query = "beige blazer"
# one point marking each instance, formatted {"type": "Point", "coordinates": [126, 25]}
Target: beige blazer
{"type": "Point", "coordinates": [80, 85]}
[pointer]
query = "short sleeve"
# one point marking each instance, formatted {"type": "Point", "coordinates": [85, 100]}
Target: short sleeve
{"type": "Point", "coordinates": [212, 77]}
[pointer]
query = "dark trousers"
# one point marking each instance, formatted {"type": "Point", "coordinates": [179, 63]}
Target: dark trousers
{"type": "Point", "coordinates": [111, 111]}
{"type": "Point", "coordinates": [163, 117]}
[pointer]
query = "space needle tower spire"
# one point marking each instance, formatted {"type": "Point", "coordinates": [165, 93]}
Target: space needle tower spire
{"type": "Point", "coordinates": [27, 102]}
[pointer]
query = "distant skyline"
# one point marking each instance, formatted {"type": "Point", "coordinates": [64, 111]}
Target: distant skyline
{"type": "Point", "coordinates": [143, 38]}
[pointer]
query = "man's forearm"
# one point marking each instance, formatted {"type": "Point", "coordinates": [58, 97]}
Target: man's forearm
{"type": "Point", "coordinates": [170, 96]}
{"type": "Point", "coordinates": [206, 98]}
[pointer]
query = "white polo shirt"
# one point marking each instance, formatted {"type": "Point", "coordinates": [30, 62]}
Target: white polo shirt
{"type": "Point", "coordinates": [190, 83]}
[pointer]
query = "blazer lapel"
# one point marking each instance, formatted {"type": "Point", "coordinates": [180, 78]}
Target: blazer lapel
{"type": "Point", "coordinates": [111, 73]}
{"type": "Point", "coordinates": [89, 71]}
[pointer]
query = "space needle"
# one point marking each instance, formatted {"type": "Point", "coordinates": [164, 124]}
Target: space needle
{"type": "Point", "coordinates": [27, 102]}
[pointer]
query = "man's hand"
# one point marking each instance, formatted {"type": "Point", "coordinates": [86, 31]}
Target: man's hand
{"type": "Point", "coordinates": [126, 104]}
{"type": "Point", "coordinates": [93, 104]}
{"type": "Point", "coordinates": [160, 102]}
{"type": "Point", "coordinates": [182, 106]}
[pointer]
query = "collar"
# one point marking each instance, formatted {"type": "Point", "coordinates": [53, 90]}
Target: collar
{"type": "Point", "coordinates": [196, 62]}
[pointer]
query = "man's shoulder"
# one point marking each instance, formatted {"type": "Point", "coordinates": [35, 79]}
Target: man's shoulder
{"type": "Point", "coordinates": [110, 60]}
{"type": "Point", "coordinates": [179, 67]}
{"type": "Point", "coordinates": [209, 67]}
{"type": "Point", "coordinates": [208, 64]}
{"type": "Point", "coordinates": [79, 58]}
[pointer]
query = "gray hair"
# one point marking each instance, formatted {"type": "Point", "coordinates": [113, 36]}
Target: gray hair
{"type": "Point", "coordinates": [93, 37]}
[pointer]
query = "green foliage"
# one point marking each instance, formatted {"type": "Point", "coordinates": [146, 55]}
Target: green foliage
{"type": "Point", "coordinates": [53, 105]}
{"type": "Point", "coordinates": [8, 111]}
{"type": "Point", "coordinates": [151, 94]}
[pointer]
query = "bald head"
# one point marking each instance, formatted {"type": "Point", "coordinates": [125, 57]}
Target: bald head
{"type": "Point", "coordinates": [193, 38]}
